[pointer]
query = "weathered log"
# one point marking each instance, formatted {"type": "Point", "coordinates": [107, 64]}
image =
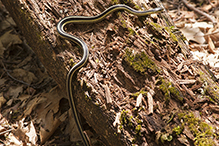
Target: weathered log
{"type": "Point", "coordinates": [126, 60]}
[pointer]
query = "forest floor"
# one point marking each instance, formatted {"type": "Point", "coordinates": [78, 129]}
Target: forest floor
{"type": "Point", "coordinates": [26, 90]}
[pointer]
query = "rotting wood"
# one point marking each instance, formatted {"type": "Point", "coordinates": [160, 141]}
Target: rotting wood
{"type": "Point", "coordinates": [117, 55]}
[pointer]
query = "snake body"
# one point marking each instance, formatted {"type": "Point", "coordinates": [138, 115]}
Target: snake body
{"type": "Point", "coordinates": [93, 19]}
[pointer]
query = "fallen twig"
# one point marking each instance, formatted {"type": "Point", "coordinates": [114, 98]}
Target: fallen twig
{"type": "Point", "coordinates": [1, 133]}
{"type": "Point", "coordinates": [200, 12]}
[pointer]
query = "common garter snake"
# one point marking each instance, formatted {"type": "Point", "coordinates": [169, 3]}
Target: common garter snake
{"type": "Point", "coordinates": [93, 19]}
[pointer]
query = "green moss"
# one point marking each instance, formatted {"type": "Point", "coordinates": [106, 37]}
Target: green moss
{"type": "Point", "coordinates": [174, 91]}
{"type": "Point", "coordinates": [130, 119]}
{"type": "Point", "coordinates": [137, 7]}
{"type": "Point", "coordinates": [131, 32]}
{"type": "Point", "coordinates": [178, 129]}
{"type": "Point", "coordinates": [141, 62]}
{"type": "Point", "coordinates": [125, 120]}
{"type": "Point", "coordinates": [115, 2]}
{"type": "Point", "coordinates": [169, 29]}
{"type": "Point", "coordinates": [138, 130]}
{"type": "Point", "coordinates": [202, 132]}
{"type": "Point", "coordinates": [123, 23]}
{"type": "Point", "coordinates": [164, 87]}
{"type": "Point", "coordinates": [166, 137]}
{"type": "Point", "coordinates": [138, 120]}
{"type": "Point", "coordinates": [127, 1]}
{"type": "Point", "coordinates": [211, 90]}
{"type": "Point", "coordinates": [124, 117]}
{"type": "Point", "coordinates": [71, 62]}
{"type": "Point", "coordinates": [136, 94]}
{"type": "Point", "coordinates": [169, 90]}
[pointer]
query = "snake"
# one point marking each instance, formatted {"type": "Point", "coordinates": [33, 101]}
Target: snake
{"type": "Point", "coordinates": [81, 20]}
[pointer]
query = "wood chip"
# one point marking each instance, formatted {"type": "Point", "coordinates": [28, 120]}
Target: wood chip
{"type": "Point", "coordinates": [186, 81]}
{"type": "Point", "coordinates": [107, 93]}
{"type": "Point", "coordinates": [150, 103]}
{"type": "Point", "coordinates": [214, 108]}
{"type": "Point", "coordinates": [188, 133]}
{"type": "Point", "coordinates": [117, 121]}
{"type": "Point", "coordinates": [139, 100]}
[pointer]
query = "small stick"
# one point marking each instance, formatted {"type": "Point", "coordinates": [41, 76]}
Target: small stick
{"type": "Point", "coordinates": [5, 131]}
{"type": "Point", "coordinates": [199, 12]}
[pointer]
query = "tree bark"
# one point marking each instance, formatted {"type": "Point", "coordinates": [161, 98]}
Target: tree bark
{"type": "Point", "coordinates": [128, 64]}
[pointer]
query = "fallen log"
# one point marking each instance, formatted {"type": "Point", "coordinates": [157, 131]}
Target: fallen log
{"type": "Point", "coordinates": [131, 60]}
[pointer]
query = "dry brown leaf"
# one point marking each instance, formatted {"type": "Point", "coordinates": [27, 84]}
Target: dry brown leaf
{"type": "Point", "coordinates": [50, 102]}
{"type": "Point", "coordinates": [216, 13]}
{"type": "Point", "coordinates": [206, 8]}
{"type": "Point", "coordinates": [216, 44]}
{"type": "Point", "coordinates": [47, 105]}
{"type": "Point", "coordinates": [13, 140]}
{"type": "Point", "coordinates": [14, 91]}
{"type": "Point", "coordinates": [8, 38]}
{"type": "Point", "coordinates": [7, 23]}
{"type": "Point", "coordinates": [214, 34]}
{"type": "Point", "coordinates": [2, 50]}
{"type": "Point", "coordinates": [24, 75]}
{"type": "Point", "coordinates": [2, 81]}
{"type": "Point", "coordinates": [51, 124]}
{"type": "Point", "coordinates": [197, 47]}
{"type": "Point", "coordinates": [172, 14]}
{"type": "Point", "coordinates": [4, 24]}
{"type": "Point", "coordinates": [72, 129]}
{"type": "Point", "coordinates": [32, 133]}
{"type": "Point", "coordinates": [180, 24]}
{"type": "Point", "coordinates": [24, 97]}
{"type": "Point", "coordinates": [211, 46]}
{"type": "Point", "coordinates": [32, 104]}
{"type": "Point", "coordinates": [2, 99]}
{"type": "Point", "coordinates": [193, 34]}
{"type": "Point", "coordinates": [28, 131]}
{"type": "Point", "coordinates": [203, 26]}
{"type": "Point", "coordinates": [188, 14]}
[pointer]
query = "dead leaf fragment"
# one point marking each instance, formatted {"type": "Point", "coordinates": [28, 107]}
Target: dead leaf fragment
{"type": "Point", "coordinates": [8, 38]}
{"type": "Point", "coordinates": [2, 99]}
{"type": "Point", "coordinates": [24, 75]}
{"type": "Point", "coordinates": [2, 81]}
{"type": "Point", "coordinates": [2, 50]}
{"type": "Point", "coordinates": [14, 91]}
{"type": "Point", "coordinates": [32, 133]}
{"type": "Point", "coordinates": [211, 46]}
{"type": "Point", "coordinates": [193, 33]}
{"type": "Point", "coordinates": [51, 124]}
{"type": "Point", "coordinates": [13, 140]}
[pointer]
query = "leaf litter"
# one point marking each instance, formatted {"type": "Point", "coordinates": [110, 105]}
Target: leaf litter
{"type": "Point", "coordinates": [30, 101]}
